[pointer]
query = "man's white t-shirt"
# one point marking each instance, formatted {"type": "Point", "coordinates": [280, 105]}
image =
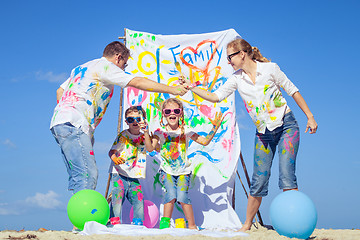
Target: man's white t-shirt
{"type": "Point", "coordinates": [87, 94]}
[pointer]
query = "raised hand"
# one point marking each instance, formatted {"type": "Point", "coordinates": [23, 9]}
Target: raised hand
{"type": "Point", "coordinates": [216, 124]}
{"type": "Point", "coordinates": [217, 120]}
{"type": "Point", "coordinates": [144, 126]}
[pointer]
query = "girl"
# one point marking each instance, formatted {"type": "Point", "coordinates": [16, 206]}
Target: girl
{"type": "Point", "coordinates": [175, 168]}
{"type": "Point", "coordinates": [258, 82]}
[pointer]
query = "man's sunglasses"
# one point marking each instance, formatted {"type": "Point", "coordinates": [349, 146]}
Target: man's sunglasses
{"type": "Point", "coordinates": [125, 65]}
{"type": "Point", "coordinates": [132, 119]}
{"type": "Point", "coordinates": [168, 111]}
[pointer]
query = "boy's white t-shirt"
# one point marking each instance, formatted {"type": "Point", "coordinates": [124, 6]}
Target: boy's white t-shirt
{"type": "Point", "coordinates": [173, 151]}
{"type": "Point", "coordinates": [132, 149]}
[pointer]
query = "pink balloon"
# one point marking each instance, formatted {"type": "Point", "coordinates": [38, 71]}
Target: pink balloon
{"type": "Point", "coordinates": [151, 214]}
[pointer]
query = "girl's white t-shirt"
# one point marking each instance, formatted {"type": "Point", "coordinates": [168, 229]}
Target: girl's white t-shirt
{"type": "Point", "coordinates": [173, 151]}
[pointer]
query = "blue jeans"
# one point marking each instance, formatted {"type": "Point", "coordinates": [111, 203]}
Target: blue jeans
{"type": "Point", "coordinates": [286, 138]}
{"type": "Point", "coordinates": [131, 189]}
{"type": "Point", "coordinates": [77, 152]}
{"type": "Point", "coordinates": [176, 187]}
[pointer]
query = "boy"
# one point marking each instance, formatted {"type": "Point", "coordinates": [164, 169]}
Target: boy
{"type": "Point", "coordinates": [128, 155]}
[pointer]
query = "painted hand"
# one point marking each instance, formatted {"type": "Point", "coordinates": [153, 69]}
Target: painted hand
{"type": "Point", "coordinates": [185, 81]}
{"type": "Point", "coordinates": [117, 159]}
{"type": "Point", "coordinates": [277, 100]}
{"type": "Point", "coordinates": [179, 90]}
{"type": "Point", "coordinates": [217, 120]}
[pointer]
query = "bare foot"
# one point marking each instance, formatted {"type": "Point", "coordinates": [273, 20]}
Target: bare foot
{"type": "Point", "coordinates": [193, 227]}
{"type": "Point", "coordinates": [244, 228]}
{"type": "Point", "coordinates": [75, 230]}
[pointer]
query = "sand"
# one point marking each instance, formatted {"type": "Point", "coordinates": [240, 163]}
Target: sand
{"type": "Point", "coordinates": [259, 233]}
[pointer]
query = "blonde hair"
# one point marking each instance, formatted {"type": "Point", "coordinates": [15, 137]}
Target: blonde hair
{"type": "Point", "coordinates": [181, 106]}
{"type": "Point", "coordinates": [253, 52]}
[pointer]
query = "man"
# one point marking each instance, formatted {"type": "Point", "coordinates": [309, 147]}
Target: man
{"type": "Point", "coordinates": [82, 103]}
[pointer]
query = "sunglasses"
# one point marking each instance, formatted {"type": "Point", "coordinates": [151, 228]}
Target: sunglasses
{"type": "Point", "coordinates": [229, 57]}
{"type": "Point", "coordinates": [125, 65]}
{"type": "Point", "coordinates": [132, 119]}
{"type": "Point", "coordinates": [168, 111]}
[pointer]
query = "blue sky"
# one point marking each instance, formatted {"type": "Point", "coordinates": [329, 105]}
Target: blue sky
{"type": "Point", "coordinates": [316, 43]}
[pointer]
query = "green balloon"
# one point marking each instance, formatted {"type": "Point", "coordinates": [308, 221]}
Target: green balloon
{"type": "Point", "coordinates": [87, 205]}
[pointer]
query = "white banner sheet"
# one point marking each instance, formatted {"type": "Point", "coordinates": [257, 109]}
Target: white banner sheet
{"type": "Point", "coordinates": [202, 58]}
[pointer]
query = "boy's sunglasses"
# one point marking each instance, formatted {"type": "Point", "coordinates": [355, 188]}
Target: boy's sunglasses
{"type": "Point", "coordinates": [132, 119]}
{"type": "Point", "coordinates": [168, 111]}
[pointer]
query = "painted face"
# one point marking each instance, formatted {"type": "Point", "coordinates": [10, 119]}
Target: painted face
{"type": "Point", "coordinates": [235, 58]}
{"type": "Point", "coordinates": [132, 120]}
{"type": "Point", "coordinates": [172, 113]}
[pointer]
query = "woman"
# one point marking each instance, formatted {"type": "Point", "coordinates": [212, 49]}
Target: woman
{"type": "Point", "coordinates": [258, 82]}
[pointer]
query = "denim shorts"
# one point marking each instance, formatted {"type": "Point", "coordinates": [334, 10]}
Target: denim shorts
{"type": "Point", "coordinates": [78, 155]}
{"type": "Point", "coordinates": [176, 187]}
{"type": "Point", "coordinates": [286, 138]}
{"type": "Point", "coordinates": [131, 189]}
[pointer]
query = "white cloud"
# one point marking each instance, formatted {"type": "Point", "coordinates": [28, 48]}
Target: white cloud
{"type": "Point", "coordinates": [50, 76]}
{"type": "Point", "coordinates": [8, 211]}
{"type": "Point", "coordinates": [9, 143]}
{"type": "Point", "coordinates": [48, 200]}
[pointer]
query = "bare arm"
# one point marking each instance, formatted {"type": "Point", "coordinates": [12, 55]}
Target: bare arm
{"type": "Point", "coordinates": [206, 140]}
{"type": "Point", "coordinates": [152, 86]}
{"type": "Point", "coordinates": [150, 142]}
{"type": "Point", "coordinates": [59, 93]}
{"type": "Point", "coordinates": [311, 123]}
{"type": "Point", "coordinates": [209, 96]}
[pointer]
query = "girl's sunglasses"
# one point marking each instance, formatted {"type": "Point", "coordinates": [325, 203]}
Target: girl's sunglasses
{"type": "Point", "coordinates": [168, 111]}
{"type": "Point", "coordinates": [132, 119]}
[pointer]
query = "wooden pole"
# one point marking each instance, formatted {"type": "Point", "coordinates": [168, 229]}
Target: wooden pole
{"type": "Point", "coordinates": [237, 172]}
{"type": "Point", "coordinates": [248, 181]}
{"type": "Point", "coordinates": [107, 186]}
{"type": "Point", "coordinates": [247, 196]}
{"type": "Point", "coordinates": [233, 198]}
{"type": "Point", "coordinates": [119, 120]}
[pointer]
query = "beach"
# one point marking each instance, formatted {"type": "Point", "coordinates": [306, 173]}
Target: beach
{"type": "Point", "coordinates": [260, 233]}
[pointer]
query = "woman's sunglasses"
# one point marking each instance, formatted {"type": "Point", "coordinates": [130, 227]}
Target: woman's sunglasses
{"type": "Point", "coordinates": [230, 56]}
{"type": "Point", "coordinates": [168, 111]}
{"type": "Point", "coordinates": [132, 119]}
